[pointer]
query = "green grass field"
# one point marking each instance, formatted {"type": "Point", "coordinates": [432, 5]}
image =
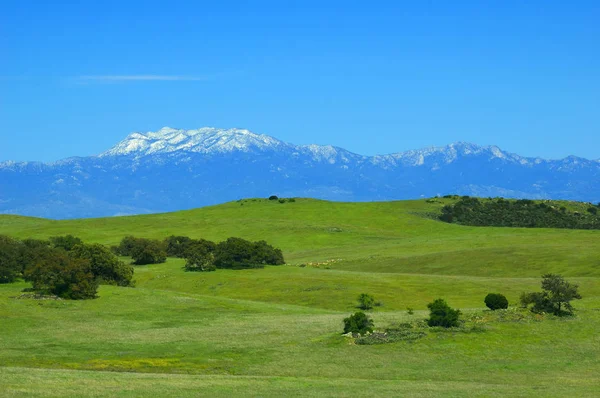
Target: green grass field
{"type": "Point", "coordinates": [276, 331]}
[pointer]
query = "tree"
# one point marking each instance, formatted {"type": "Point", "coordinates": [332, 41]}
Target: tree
{"type": "Point", "coordinates": [442, 315]}
{"type": "Point", "coordinates": [358, 322]}
{"type": "Point", "coordinates": [148, 251]}
{"type": "Point", "coordinates": [67, 242]}
{"type": "Point", "coordinates": [10, 259]}
{"type": "Point", "coordinates": [273, 197]}
{"type": "Point", "coordinates": [238, 253]}
{"type": "Point", "coordinates": [104, 264]}
{"type": "Point", "coordinates": [199, 258]}
{"type": "Point", "coordinates": [495, 301]}
{"type": "Point", "coordinates": [142, 251]}
{"type": "Point", "coordinates": [365, 301]}
{"type": "Point", "coordinates": [55, 272]}
{"type": "Point", "coordinates": [176, 246]}
{"type": "Point", "coordinates": [555, 297]}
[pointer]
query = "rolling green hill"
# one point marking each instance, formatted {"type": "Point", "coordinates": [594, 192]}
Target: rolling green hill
{"type": "Point", "coordinates": [276, 331]}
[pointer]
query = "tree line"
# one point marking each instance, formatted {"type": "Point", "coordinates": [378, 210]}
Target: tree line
{"type": "Point", "coordinates": [67, 267]}
{"type": "Point", "coordinates": [527, 213]}
{"type": "Point", "coordinates": [63, 266]}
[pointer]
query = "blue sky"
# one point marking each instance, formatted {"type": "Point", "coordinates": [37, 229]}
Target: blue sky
{"type": "Point", "coordinates": [372, 77]}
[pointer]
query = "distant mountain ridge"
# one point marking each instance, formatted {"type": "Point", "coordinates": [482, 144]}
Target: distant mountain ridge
{"type": "Point", "coordinates": [173, 169]}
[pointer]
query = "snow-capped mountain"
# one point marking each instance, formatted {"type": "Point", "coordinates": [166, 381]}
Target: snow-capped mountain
{"type": "Point", "coordinates": [173, 169]}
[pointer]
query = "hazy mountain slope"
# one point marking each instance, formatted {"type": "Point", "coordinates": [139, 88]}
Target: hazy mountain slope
{"type": "Point", "coordinates": [175, 169]}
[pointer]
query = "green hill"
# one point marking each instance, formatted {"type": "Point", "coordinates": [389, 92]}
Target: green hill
{"type": "Point", "coordinates": [276, 331]}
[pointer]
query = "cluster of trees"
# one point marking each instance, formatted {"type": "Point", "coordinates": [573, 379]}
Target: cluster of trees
{"type": "Point", "coordinates": [201, 254]}
{"type": "Point", "coordinates": [141, 250]}
{"type": "Point", "coordinates": [555, 298]}
{"type": "Point", "coordinates": [233, 253]}
{"type": "Point", "coordinates": [518, 213]}
{"type": "Point", "coordinates": [63, 266]}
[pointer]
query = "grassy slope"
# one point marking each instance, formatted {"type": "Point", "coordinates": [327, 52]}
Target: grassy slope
{"type": "Point", "coordinates": [276, 330]}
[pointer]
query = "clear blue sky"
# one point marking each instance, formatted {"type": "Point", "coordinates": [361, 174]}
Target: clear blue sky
{"type": "Point", "coordinates": [369, 76]}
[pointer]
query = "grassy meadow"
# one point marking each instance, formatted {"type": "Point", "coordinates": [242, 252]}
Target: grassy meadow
{"type": "Point", "coordinates": [277, 331]}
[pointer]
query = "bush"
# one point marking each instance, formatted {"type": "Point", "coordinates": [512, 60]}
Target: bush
{"type": "Point", "coordinates": [142, 251]}
{"type": "Point", "coordinates": [496, 301]}
{"type": "Point", "coordinates": [273, 197]}
{"type": "Point", "coordinates": [10, 259]}
{"type": "Point", "coordinates": [200, 256]}
{"type": "Point", "coordinates": [126, 246]}
{"type": "Point", "coordinates": [104, 264]}
{"type": "Point", "coordinates": [67, 242]}
{"type": "Point", "coordinates": [359, 322]}
{"type": "Point", "coordinates": [442, 315]}
{"type": "Point", "coordinates": [175, 246]}
{"type": "Point", "coordinates": [148, 251]}
{"type": "Point", "coordinates": [57, 273]}
{"type": "Point", "coordinates": [365, 301]}
{"type": "Point", "coordinates": [555, 297]}
{"type": "Point", "coordinates": [238, 253]}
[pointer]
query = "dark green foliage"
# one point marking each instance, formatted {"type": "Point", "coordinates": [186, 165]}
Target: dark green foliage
{"type": "Point", "coordinates": [291, 200]}
{"type": "Point", "coordinates": [148, 251]}
{"type": "Point", "coordinates": [176, 246]}
{"type": "Point", "coordinates": [104, 264]}
{"type": "Point", "coordinates": [496, 301]}
{"type": "Point", "coordinates": [359, 322]}
{"type": "Point", "coordinates": [592, 210]}
{"type": "Point", "coordinates": [517, 213]}
{"type": "Point", "coordinates": [273, 197]}
{"type": "Point", "coordinates": [282, 200]}
{"type": "Point", "coordinates": [555, 297]}
{"type": "Point", "coordinates": [67, 242]}
{"type": "Point", "coordinates": [200, 256]}
{"type": "Point", "coordinates": [126, 246]}
{"type": "Point", "coordinates": [238, 253]}
{"type": "Point", "coordinates": [365, 301]}
{"type": "Point", "coordinates": [57, 273]}
{"type": "Point", "coordinates": [143, 251]}
{"type": "Point", "coordinates": [442, 315]}
{"type": "Point", "coordinates": [10, 259]}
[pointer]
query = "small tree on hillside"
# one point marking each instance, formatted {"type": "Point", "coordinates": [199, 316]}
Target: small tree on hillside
{"type": "Point", "coordinates": [496, 301]}
{"type": "Point", "coordinates": [199, 257]}
{"type": "Point", "coordinates": [358, 322]}
{"type": "Point", "coordinates": [148, 251]}
{"type": "Point", "coordinates": [10, 259]}
{"type": "Point", "coordinates": [59, 274]}
{"type": "Point", "coordinates": [67, 242]}
{"type": "Point", "coordinates": [365, 301]}
{"type": "Point", "coordinates": [104, 264]}
{"type": "Point", "coordinates": [442, 315]}
{"type": "Point", "coordinates": [555, 297]}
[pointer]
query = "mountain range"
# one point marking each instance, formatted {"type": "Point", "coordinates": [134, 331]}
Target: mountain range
{"type": "Point", "coordinates": [173, 169]}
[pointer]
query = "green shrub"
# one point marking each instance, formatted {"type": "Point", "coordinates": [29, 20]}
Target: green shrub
{"type": "Point", "coordinates": [496, 301]}
{"type": "Point", "coordinates": [200, 256]}
{"type": "Point", "coordinates": [175, 246]}
{"type": "Point", "coordinates": [442, 315]}
{"type": "Point", "coordinates": [104, 264]}
{"type": "Point", "coordinates": [358, 322]}
{"type": "Point", "coordinates": [10, 259]}
{"type": "Point", "coordinates": [57, 273]}
{"type": "Point", "coordinates": [143, 251]}
{"type": "Point", "coordinates": [67, 242]}
{"type": "Point", "coordinates": [273, 197]}
{"type": "Point", "coordinates": [148, 251]}
{"type": "Point", "coordinates": [365, 301]}
{"type": "Point", "coordinates": [238, 253]}
{"type": "Point", "coordinates": [555, 297]}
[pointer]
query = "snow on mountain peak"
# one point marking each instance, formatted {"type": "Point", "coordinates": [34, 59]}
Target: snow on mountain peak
{"type": "Point", "coordinates": [202, 140]}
